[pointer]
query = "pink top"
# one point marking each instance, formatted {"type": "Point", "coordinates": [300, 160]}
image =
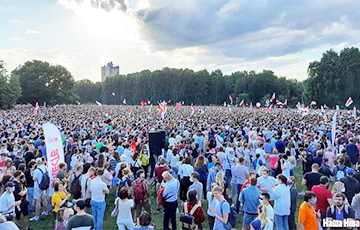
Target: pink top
{"type": "Point", "coordinates": [273, 160]}
{"type": "Point", "coordinates": [331, 157]}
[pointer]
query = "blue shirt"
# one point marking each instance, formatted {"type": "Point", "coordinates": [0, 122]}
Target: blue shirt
{"type": "Point", "coordinates": [171, 190]}
{"type": "Point", "coordinates": [211, 178]}
{"type": "Point", "coordinates": [281, 196]}
{"type": "Point", "coordinates": [339, 215]}
{"type": "Point", "coordinates": [268, 147]}
{"type": "Point", "coordinates": [250, 199]}
{"type": "Point", "coordinates": [221, 208]}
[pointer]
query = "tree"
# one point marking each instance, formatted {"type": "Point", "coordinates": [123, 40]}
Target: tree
{"type": "Point", "coordinates": [87, 91]}
{"type": "Point", "coordinates": [10, 89]}
{"type": "Point", "coordinates": [42, 82]}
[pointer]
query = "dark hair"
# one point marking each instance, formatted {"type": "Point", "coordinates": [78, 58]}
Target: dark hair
{"type": "Point", "coordinates": [196, 175]}
{"type": "Point", "coordinates": [282, 178]}
{"type": "Point", "coordinates": [101, 160]}
{"type": "Point", "coordinates": [217, 164]}
{"type": "Point", "coordinates": [123, 193]}
{"type": "Point", "coordinates": [341, 160]}
{"type": "Point", "coordinates": [21, 167]}
{"type": "Point", "coordinates": [17, 173]}
{"type": "Point", "coordinates": [56, 185]}
{"type": "Point", "coordinates": [308, 195]}
{"type": "Point", "coordinates": [60, 215]}
{"type": "Point", "coordinates": [99, 172]}
{"type": "Point", "coordinates": [266, 195]}
{"type": "Point", "coordinates": [192, 196]}
{"type": "Point", "coordinates": [253, 181]}
{"type": "Point", "coordinates": [241, 159]}
{"type": "Point", "coordinates": [324, 180]}
{"type": "Point", "coordinates": [61, 165]}
{"type": "Point", "coordinates": [340, 195]}
{"type": "Point", "coordinates": [284, 156]}
{"type": "Point", "coordinates": [187, 160]}
{"type": "Point", "coordinates": [145, 219]}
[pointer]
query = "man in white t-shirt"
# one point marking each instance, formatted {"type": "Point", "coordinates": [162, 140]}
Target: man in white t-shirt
{"type": "Point", "coordinates": [261, 151]}
{"type": "Point", "coordinates": [264, 199]}
{"type": "Point", "coordinates": [128, 154]}
{"type": "Point", "coordinates": [98, 190]}
{"type": "Point", "coordinates": [7, 199]}
{"type": "Point", "coordinates": [266, 183]}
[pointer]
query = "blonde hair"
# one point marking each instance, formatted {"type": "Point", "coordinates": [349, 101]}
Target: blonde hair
{"type": "Point", "coordinates": [220, 179]}
{"type": "Point", "coordinates": [337, 187]}
{"type": "Point", "coordinates": [263, 215]}
{"type": "Point", "coordinates": [261, 169]}
{"type": "Point", "coordinates": [217, 188]}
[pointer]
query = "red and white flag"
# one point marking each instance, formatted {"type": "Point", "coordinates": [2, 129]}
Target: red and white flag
{"type": "Point", "coordinates": [279, 102]}
{"type": "Point", "coordinates": [325, 106]}
{"type": "Point", "coordinates": [268, 108]}
{"type": "Point", "coordinates": [224, 103]}
{"type": "Point", "coordinates": [251, 105]}
{"type": "Point", "coordinates": [98, 103]}
{"type": "Point", "coordinates": [241, 102]}
{"type": "Point", "coordinates": [113, 94]}
{"type": "Point", "coordinates": [192, 109]}
{"type": "Point", "coordinates": [231, 99]}
{"type": "Point", "coordinates": [272, 97]}
{"type": "Point", "coordinates": [349, 102]}
{"type": "Point", "coordinates": [36, 108]}
{"type": "Point", "coordinates": [163, 107]}
{"type": "Point", "coordinates": [313, 103]}
{"type": "Point", "coordinates": [124, 101]}
{"type": "Point", "coordinates": [285, 102]}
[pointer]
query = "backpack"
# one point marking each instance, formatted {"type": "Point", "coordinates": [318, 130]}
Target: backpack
{"type": "Point", "coordinates": [45, 182]}
{"type": "Point", "coordinates": [232, 216]}
{"type": "Point", "coordinates": [75, 185]}
{"type": "Point", "coordinates": [340, 173]}
{"type": "Point", "coordinates": [212, 143]}
{"type": "Point", "coordinates": [139, 192]}
{"type": "Point", "coordinates": [123, 183]}
{"type": "Point", "coordinates": [187, 219]}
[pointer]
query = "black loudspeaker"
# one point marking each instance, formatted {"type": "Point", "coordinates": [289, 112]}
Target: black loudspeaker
{"type": "Point", "coordinates": [156, 141]}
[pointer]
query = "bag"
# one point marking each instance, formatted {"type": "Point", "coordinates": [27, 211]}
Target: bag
{"type": "Point", "coordinates": [123, 183]}
{"type": "Point", "coordinates": [187, 219]}
{"type": "Point", "coordinates": [45, 182]}
{"type": "Point", "coordinates": [232, 217]}
{"type": "Point", "coordinates": [160, 199]}
{"type": "Point", "coordinates": [75, 185]}
{"type": "Point", "coordinates": [115, 212]}
{"type": "Point", "coordinates": [139, 192]}
{"type": "Point", "coordinates": [61, 225]}
{"type": "Point", "coordinates": [340, 173]}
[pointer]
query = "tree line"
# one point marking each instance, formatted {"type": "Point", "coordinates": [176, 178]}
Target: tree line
{"type": "Point", "coordinates": [330, 81]}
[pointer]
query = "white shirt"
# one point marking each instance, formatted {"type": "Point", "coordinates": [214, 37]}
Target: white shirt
{"type": "Point", "coordinates": [124, 209]}
{"type": "Point", "coordinates": [270, 212]}
{"type": "Point", "coordinates": [262, 154]}
{"type": "Point", "coordinates": [286, 171]}
{"type": "Point", "coordinates": [85, 190]}
{"type": "Point", "coordinates": [128, 155]}
{"type": "Point", "coordinates": [174, 160]}
{"type": "Point", "coordinates": [185, 170]}
{"type": "Point", "coordinates": [97, 188]}
{"type": "Point", "coordinates": [267, 183]}
{"type": "Point", "coordinates": [6, 200]}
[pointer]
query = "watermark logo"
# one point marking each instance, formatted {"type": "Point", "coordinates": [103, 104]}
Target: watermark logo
{"type": "Point", "coordinates": [347, 223]}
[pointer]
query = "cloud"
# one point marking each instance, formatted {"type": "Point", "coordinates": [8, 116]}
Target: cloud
{"type": "Point", "coordinates": [15, 39]}
{"type": "Point", "coordinates": [106, 5]}
{"type": "Point", "coordinates": [29, 31]}
{"type": "Point", "coordinates": [16, 21]}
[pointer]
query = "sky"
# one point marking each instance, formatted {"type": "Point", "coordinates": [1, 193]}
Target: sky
{"type": "Point", "coordinates": [231, 35]}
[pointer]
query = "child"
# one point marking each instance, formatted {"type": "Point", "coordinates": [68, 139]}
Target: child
{"type": "Point", "coordinates": [257, 163]}
{"type": "Point", "coordinates": [144, 222]}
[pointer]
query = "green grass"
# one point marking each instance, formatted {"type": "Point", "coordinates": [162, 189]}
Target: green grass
{"type": "Point", "coordinates": [48, 222]}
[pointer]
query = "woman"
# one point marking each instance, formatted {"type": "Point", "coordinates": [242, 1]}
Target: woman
{"type": "Point", "coordinates": [262, 222]}
{"type": "Point", "coordinates": [222, 209]}
{"type": "Point", "coordinates": [273, 159]}
{"type": "Point", "coordinates": [59, 198]}
{"type": "Point", "coordinates": [29, 172]}
{"type": "Point", "coordinates": [60, 219]}
{"type": "Point", "coordinates": [144, 158]}
{"type": "Point", "coordinates": [282, 202]}
{"type": "Point", "coordinates": [20, 195]}
{"type": "Point", "coordinates": [174, 159]}
{"type": "Point", "coordinates": [248, 155]}
{"type": "Point", "coordinates": [185, 172]}
{"type": "Point", "coordinates": [107, 177]}
{"type": "Point", "coordinates": [192, 201]}
{"type": "Point", "coordinates": [293, 197]}
{"type": "Point", "coordinates": [201, 168]}
{"type": "Point", "coordinates": [212, 201]}
{"type": "Point", "coordinates": [235, 179]}
{"type": "Point", "coordinates": [99, 163]}
{"type": "Point", "coordinates": [338, 187]}
{"type": "Point", "coordinates": [144, 222]}
{"type": "Point", "coordinates": [329, 155]}
{"type": "Point", "coordinates": [220, 181]}
{"type": "Point", "coordinates": [124, 205]}
{"type": "Point", "coordinates": [8, 168]}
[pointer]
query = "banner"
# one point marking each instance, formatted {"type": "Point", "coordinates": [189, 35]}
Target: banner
{"type": "Point", "coordinates": [54, 151]}
{"type": "Point", "coordinates": [333, 130]}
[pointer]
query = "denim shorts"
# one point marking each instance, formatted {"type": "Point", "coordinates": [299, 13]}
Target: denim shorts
{"type": "Point", "coordinates": [248, 218]}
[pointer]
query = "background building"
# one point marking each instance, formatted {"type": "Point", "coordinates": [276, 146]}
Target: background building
{"type": "Point", "coordinates": [109, 71]}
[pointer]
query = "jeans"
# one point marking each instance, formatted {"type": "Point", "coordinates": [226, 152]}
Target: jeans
{"type": "Point", "coordinates": [282, 222]}
{"type": "Point", "coordinates": [30, 198]}
{"type": "Point", "coordinates": [170, 213]}
{"type": "Point", "coordinates": [228, 175]}
{"type": "Point", "coordinates": [237, 209]}
{"type": "Point", "coordinates": [98, 211]}
{"type": "Point", "coordinates": [211, 222]}
{"type": "Point", "coordinates": [292, 222]}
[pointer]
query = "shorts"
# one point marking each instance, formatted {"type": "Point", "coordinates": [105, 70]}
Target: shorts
{"type": "Point", "coordinates": [38, 193]}
{"type": "Point", "coordinates": [248, 218]}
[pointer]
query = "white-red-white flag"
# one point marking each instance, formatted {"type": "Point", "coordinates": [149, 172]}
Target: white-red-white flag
{"type": "Point", "coordinates": [268, 108]}
{"type": "Point", "coordinates": [251, 106]}
{"type": "Point", "coordinates": [279, 103]}
{"type": "Point", "coordinates": [285, 102]}
{"type": "Point", "coordinates": [124, 101]}
{"type": "Point", "coordinates": [313, 103]}
{"type": "Point", "coordinates": [98, 103]}
{"type": "Point", "coordinates": [36, 108]}
{"type": "Point", "coordinates": [349, 102]}
{"type": "Point", "coordinates": [325, 106]}
{"type": "Point", "coordinates": [163, 107]}
{"type": "Point", "coordinates": [224, 103]}
{"type": "Point", "coordinates": [192, 109]}
{"type": "Point", "coordinates": [272, 97]}
{"type": "Point", "coordinates": [241, 102]}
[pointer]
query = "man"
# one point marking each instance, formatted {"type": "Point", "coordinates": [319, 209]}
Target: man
{"type": "Point", "coordinates": [307, 160]}
{"type": "Point", "coordinates": [81, 220]}
{"type": "Point", "coordinates": [7, 199]}
{"type": "Point", "coordinates": [339, 211]}
{"type": "Point", "coordinates": [141, 192]}
{"type": "Point", "coordinates": [128, 154]}
{"type": "Point", "coordinates": [266, 183]}
{"type": "Point", "coordinates": [170, 195]}
{"type": "Point", "coordinates": [324, 196]}
{"type": "Point", "coordinates": [250, 201]}
{"type": "Point", "coordinates": [280, 146]}
{"type": "Point", "coordinates": [312, 178]}
{"type": "Point", "coordinates": [40, 196]}
{"type": "Point", "coordinates": [268, 148]}
{"type": "Point", "coordinates": [352, 185]}
{"type": "Point", "coordinates": [265, 200]}
{"type": "Point", "coordinates": [340, 169]}
{"type": "Point", "coordinates": [229, 164]}
{"type": "Point", "coordinates": [352, 151]}
{"type": "Point", "coordinates": [98, 190]}
{"type": "Point", "coordinates": [241, 173]}
{"type": "Point", "coordinates": [196, 185]}
{"type": "Point", "coordinates": [343, 154]}
{"type": "Point", "coordinates": [159, 170]}
{"type": "Point", "coordinates": [261, 151]}
{"type": "Point", "coordinates": [86, 185]}
{"type": "Point", "coordinates": [307, 215]}
{"type": "Point", "coordinates": [212, 175]}
{"type": "Point", "coordinates": [75, 187]}
{"type": "Point", "coordinates": [62, 174]}
{"type": "Point", "coordinates": [325, 168]}
{"type": "Point", "coordinates": [29, 154]}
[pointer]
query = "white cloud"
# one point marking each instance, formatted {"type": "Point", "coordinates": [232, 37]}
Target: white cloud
{"type": "Point", "coordinates": [15, 39]}
{"type": "Point", "coordinates": [29, 31]}
{"type": "Point", "coordinates": [16, 21]}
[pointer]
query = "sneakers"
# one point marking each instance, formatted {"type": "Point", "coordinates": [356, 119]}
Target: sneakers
{"type": "Point", "coordinates": [35, 218]}
{"type": "Point", "coordinates": [44, 213]}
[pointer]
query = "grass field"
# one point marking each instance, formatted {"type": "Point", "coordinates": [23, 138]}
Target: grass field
{"type": "Point", "coordinates": [47, 222]}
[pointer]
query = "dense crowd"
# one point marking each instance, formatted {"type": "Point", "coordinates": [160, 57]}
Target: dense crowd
{"type": "Point", "coordinates": [240, 161]}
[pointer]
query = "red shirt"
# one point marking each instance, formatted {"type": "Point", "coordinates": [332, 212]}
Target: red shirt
{"type": "Point", "coordinates": [322, 194]}
{"type": "Point", "coordinates": [159, 171]}
{"type": "Point", "coordinates": [198, 214]}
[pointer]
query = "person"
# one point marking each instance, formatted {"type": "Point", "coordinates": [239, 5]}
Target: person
{"type": "Point", "coordinates": [20, 195]}
{"type": "Point", "coordinates": [170, 193]}
{"type": "Point", "coordinates": [229, 164]}
{"type": "Point", "coordinates": [107, 178]}
{"type": "Point", "coordinates": [355, 204]}
{"type": "Point", "coordinates": [249, 199]}
{"type": "Point", "coordinates": [352, 185]}
{"type": "Point", "coordinates": [265, 201]}
{"type": "Point", "coordinates": [212, 201]}
{"type": "Point", "coordinates": [7, 199]}
{"type": "Point", "coordinates": [159, 170]}
{"type": "Point", "coordinates": [285, 166]}
{"type": "Point", "coordinates": [60, 223]}
{"type": "Point", "coordinates": [62, 174]}
{"type": "Point", "coordinates": [280, 146]}
{"type": "Point", "coordinates": [339, 211]}
{"type": "Point", "coordinates": [312, 178]}
{"type": "Point", "coordinates": [338, 187]}
{"type": "Point", "coordinates": [307, 160]}
{"type": "Point", "coordinates": [124, 205]}
{"type": "Point", "coordinates": [325, 169]}
{"type": "Point", "coordinates": [262, 221]}
{"type": "Point", "coordinates": [339, 170]}
{"type": "Point", "coordinates": [294, 195]}
{"type": "Point", "coordinates": [201, 168]}
{"type": "Point", "coordinates": [257, 163]}
{"type": "Point", "coordinates": [222, 209]}
{"type": "Point", "coordinates": [86, 185]}
{"type": "Point", "coordinates": [282, 202]}
{"type": "Point", "coordinates": [30, 184]}
{"type": "Point", "coordinates": [7, 225]}
{"type": "Point", "coordinates": [266, 183]}
{"type": "Point", "coordinates": [352, 151]}
{"type": "Point", "coordinates": [307, 215]}
{"type": "Point", "coordinates": [81, 219]}
{"type": "Point", "coordinates": [192, 202]}
{"type": "Point", "coordinates": [196, 185]}
{"type": "Point", "coordinates": [75, 181]}
{"type": "Point", "coordinates": [144, 222]}
{"type": "Point", "coordinates": [185, 171]}
{"type": "Point", "coordinates": [60, 196]}
{"type": "Point", "coordinates": [98, 190]}
{"type": "Point", "coordinates": [324, 196]}
{"type": "Point", "coordinates": [240, 174]}
{"type": "Point", "coordinates": [40, 196]}
{"type": "Point", "coordinates": [212, 175]}
{"type": "Point", "coordinates": [141, 192]}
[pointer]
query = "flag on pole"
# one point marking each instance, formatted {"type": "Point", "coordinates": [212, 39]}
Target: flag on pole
{"type": "Point", "coordinates": [98, 103]}
{"type": "Point", "coordinates": [224, 103]}
{"type": "Point", "coordinates": [36, 108]}
{"type": "Point", "coordinates": [305, 111]}
{"type": "Point", "coordinates": [325, 106]}
{"type": "Point", "coordinates": [354, 112]}
{"type": "Point", "coordinates": [178, 104]}
{"type": "Point", "coordinates": [45, 104]}
{"type": "Point", "coordinates": [313, 103]}
{"type": "Point", "coordinates": [337, 107]}
{"type": "Point", "coordinates": [251, 105]}
{"type": "Point", "coordinates": [163, 107]}
{"type": "Point", "coordinates": [333, 129]}
{"type": "Point", "coordinates": [272, 97]}
{"type": "Point", "coordinates": [322, 109]}
{"type": "Point", "coordinates": [113, 94]}
{"type": "Point", "coordinates": [268, 108]}
{"type": "Point", "coordinates": [192, 109]}
{"type": "Point", "coordinates": [231, 99]}
{"type": "Point", "coordinates": [349, 102]}
{"type": "Point", "coordinates": [241, 102]}
{"type": "Point", "coordinates": [285, 102]}
{"type": "Point", "coordinates": [279, 103]}
{"type": "Point", "coordinates": [124, 101]}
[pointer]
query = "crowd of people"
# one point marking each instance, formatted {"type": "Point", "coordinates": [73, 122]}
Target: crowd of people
{"type": "Point", "coordinates": [219, 168]}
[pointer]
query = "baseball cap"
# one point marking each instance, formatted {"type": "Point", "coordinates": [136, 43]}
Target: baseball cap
{"type": "Point", "coordinates": [80, 203]}
{"type": "Point", "coordinates": [350, 171]}
{"type": "Point", "coordinates": [9, 184]}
